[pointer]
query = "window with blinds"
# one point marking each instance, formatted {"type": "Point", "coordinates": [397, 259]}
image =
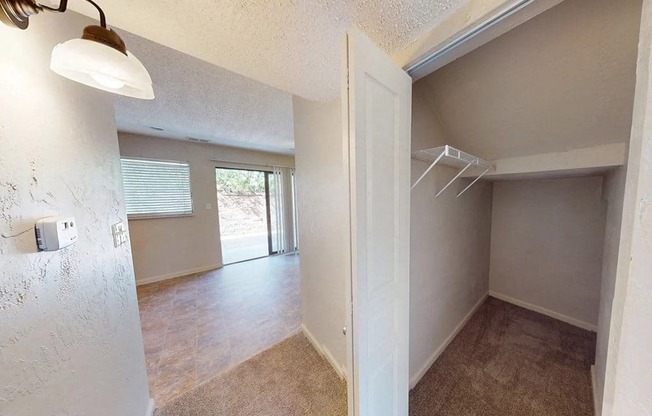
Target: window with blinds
{"type": "Point", "coordinates": [156, 188]}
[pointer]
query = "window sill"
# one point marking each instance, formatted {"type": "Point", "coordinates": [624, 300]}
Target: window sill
{"type": "Point", "coordinates": [136, 217]}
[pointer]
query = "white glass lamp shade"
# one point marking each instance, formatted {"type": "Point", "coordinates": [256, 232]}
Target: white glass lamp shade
{"type": "Point", "coordinates": [103, 67]}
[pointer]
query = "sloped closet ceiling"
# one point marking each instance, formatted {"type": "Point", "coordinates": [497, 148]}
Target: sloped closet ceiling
{"type": "Point", "coordinates": [563, 80]}
{"type": "Point", "coordinates": [291, 45]}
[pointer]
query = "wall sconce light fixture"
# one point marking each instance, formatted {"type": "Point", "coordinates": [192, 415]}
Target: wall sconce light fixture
{"type": "Point", "coordinates": [99, 59]}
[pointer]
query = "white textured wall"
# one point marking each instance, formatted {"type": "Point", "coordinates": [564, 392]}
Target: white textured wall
{"type": "Point", "coordinates": [170, 247]}
{"type": "Point", "coordinates": [322, 195]}
{"type": "Point", "coordinates": [614, 188]}
{"type": "Point", "coordinates": [629, 380]}
{"type": "Point", "coordinates": [449, 246]}
{"type": "Point", "coordinates": [547, 240]}
{"type": "Point", "coordinates": [70, 340]}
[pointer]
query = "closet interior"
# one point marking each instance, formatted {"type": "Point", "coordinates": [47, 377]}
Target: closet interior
{"type": "Point", "coordinates": [519, 162]}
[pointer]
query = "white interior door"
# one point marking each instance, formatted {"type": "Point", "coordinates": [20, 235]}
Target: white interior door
{"type": "Point", "coordinates": [379, 120]}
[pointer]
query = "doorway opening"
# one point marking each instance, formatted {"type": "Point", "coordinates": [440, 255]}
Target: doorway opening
{"type": "Point", "coordinates": [197, 326]}
{"type": "Point", "coordinates": [245, 214]}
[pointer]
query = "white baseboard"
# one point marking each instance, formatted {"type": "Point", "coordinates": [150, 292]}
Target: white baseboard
{"type": "Point", "coordinates": [154, 279]}
{"type": "Point", "coordinates": [424, 369]}
{"type": "Point", "coordinates": [594, 385]}
{"type": "Point", "coordinates": [324, 352]}
{"type": "Point", "coordinates": [150, 408]}
{"type": "Point", "coordinates": [575, 322]}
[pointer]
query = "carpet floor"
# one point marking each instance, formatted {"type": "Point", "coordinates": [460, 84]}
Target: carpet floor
{"type": "Point", "coordinates": [510, 361]}
{"type": "Point", "coordinates": [506, 361]}
{"type": "Point", "coordinates": [290, 378]}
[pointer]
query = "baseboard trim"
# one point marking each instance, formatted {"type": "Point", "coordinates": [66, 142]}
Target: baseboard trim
{"type": "Point", "coordinates": [424, 369]}
{"type": "Point", "coordinates": [324, 352]}
{"type": "Point", "coordinates": [150, 408]}
{"type": "Point", "coordinates": [594, 384]}
{"type": "Point", "coordinates": [154, 279]}
{"type": "Point", "coordinates": [575, 322]}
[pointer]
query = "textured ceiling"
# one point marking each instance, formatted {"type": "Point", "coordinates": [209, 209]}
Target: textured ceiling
{"type": "Point", "coordinates": [293, 45]}
{"type": "Point", "coordinates": [563, 80]}
{"type": "Point", "coordinates": [197, 99]}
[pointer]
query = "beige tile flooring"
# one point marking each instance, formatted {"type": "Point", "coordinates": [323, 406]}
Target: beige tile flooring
{"type": "Point", "coordinates": [197, 326]}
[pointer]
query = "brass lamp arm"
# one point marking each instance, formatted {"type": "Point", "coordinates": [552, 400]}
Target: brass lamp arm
{"type": "Point", "coordinates": [63, 6]}
{"type": "Point", "coordinates": [17, 12]}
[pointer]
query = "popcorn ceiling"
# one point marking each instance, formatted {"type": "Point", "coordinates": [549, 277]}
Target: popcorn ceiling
{"type": "Point", "coordinates": [288, 44]}
{"type": "Point", "coordinates": [197, 99]}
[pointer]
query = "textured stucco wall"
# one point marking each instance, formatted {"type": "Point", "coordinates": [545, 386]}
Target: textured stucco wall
{"type": "Point", "coordinates": [449, 245]}
{"type": "Point", "coordinates": [70, 340]}
{"type": "Point", "coordinates": [177, 246]}
{"type": "Point", "coordinates": [628, 382]}
{"type": "Point", "coordinates": [547, 242]}
{"type": "Point", "coordinates": [323, 205]}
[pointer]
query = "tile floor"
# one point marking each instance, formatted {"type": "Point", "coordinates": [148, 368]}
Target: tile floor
{"type": "Point", "coordinates": [197, 326]}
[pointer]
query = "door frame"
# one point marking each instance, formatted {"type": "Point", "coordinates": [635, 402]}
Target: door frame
{"type": "Point", "coordinates": [268, 203]}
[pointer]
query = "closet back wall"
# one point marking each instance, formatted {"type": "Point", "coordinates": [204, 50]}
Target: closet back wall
{"type": "Point", "coordinates": [547, 241]}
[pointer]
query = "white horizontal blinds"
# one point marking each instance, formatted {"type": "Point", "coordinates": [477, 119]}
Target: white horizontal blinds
{"type": "Point", "coordinates": [156, 187]}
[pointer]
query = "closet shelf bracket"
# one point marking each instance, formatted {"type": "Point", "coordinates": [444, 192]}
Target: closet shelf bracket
{"type": "Point", "coordinates": [450, 156]}
{"type": "Point", "coordinates": [473, 182]}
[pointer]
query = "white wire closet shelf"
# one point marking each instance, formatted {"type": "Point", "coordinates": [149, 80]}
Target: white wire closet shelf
{"type": "Point", "coordinates": [450, 156]}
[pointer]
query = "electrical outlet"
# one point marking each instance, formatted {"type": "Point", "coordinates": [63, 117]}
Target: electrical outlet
{"type": "Point", "coordinates": [119, 234]}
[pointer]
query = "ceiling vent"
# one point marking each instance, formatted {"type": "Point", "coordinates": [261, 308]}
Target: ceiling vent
{"type": "Point", "coordinates": [192, 139]}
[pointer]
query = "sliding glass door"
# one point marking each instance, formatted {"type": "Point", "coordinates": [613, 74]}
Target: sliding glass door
{"type": "Point", "coordinates": [257, 212]}
{"type": "Point", "coordinates": [243, 205]}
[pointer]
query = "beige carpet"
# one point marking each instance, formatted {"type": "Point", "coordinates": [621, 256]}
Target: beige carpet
{"type": "Point", "coordinates": [289, 379]}
{"type": "Point", "coordinates": [508, 361]}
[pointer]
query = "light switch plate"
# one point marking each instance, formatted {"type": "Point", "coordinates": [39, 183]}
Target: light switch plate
{"type": "Point", "coordinates": [119, 233]}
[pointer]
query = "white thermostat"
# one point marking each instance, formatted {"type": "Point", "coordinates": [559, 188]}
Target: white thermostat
{"type": "Point", "coordinates": [55, 233]}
